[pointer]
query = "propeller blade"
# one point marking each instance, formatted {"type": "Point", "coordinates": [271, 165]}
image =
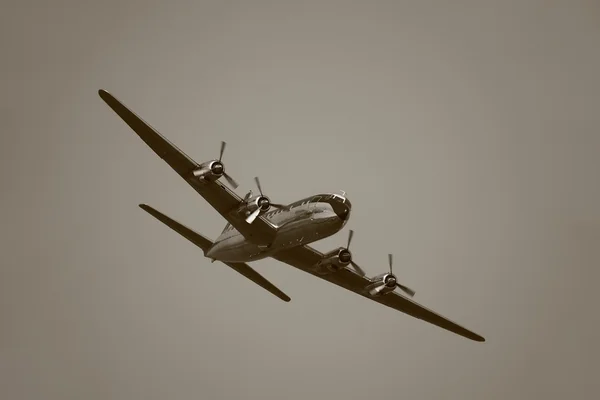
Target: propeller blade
{"type": "Point", "coordinates": [350, 234]}
{"type": "Point", "coordinates": [248, 195]}
{"type": "Point", "coordinates": [390, 261]}
{"type": "Point", "coordinates": [253, 216]}
{"type": "Point", "coordinates": [258, 185]}
{"type": "Point", "coordinates": [230, 180]}
{"type": "Point", "coordinates": [223, 144]}
{"type": "Point", "coordinates": [358, 269]}
{"type": "Point", "coordinates": [406, 290]}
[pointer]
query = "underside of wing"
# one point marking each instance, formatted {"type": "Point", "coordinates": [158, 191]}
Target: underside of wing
{"type": "Point", "coordinates": [306, 258]}
{"type": "Point", "coordinates": [205, 244]}
{"type": "Point", "coordinates": [219, 196]}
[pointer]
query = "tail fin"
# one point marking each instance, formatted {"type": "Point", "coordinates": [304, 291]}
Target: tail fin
{"type": "Point", "coordinates": [205, 244]}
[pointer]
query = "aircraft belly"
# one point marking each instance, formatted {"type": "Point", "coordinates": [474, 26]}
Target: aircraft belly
{"type": "Point", "coordinates": [290, 234]}
{"type": "Point", "coordinates": [235, 249]}
{"type": "Point", "coordinates": [301, 232]}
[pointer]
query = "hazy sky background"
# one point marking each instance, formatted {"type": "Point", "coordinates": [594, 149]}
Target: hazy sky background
{"type": "Point", "coordinates": [466, 134]}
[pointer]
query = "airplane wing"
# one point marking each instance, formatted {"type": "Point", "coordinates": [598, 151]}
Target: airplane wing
{"type": "Point", "coordinates": [305, 257]}
{"type": "Point", "coordinates": [219, 196]}
{"type": "Point", "coordinates": [205, 244]}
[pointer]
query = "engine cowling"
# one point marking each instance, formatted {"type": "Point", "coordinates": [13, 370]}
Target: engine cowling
{"type": "Point", "coordinates": [334, 261]}
{"type": "Point", "coordinates": [254, 203]}
{"type": "Point", "coordinates": [210, 170]}
{"type": "Point", "coordinates": [382, 284]}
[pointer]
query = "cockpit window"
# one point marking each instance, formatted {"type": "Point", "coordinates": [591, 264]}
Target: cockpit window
{"type": "Point", "coordinates": [336, 198]}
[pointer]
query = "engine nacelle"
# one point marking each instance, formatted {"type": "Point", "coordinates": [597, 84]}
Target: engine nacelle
{"type": "Point", "coordinates": [334, 261]}
{"type": "Point", "coordinates": [254, 203]}
{"type": "Point", "coordinates": [209, 171]}
{"type": "Point", "coordinates": [382, 284]}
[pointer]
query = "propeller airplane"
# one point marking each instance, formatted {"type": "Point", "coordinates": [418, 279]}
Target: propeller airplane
{"type": "Point", "coordinates": [258, 228]}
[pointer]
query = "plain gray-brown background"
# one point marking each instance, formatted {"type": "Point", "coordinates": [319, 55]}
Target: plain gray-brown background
{"type": "Point", "coordinates": [466, 134]}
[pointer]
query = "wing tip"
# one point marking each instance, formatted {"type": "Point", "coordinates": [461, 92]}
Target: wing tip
{"type": "Point", "coordinates": [477, 338]}
{"type": "Point", "coordinates": [148, 209]}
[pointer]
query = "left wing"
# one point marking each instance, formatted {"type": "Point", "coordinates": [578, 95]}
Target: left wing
{"type": "Point", "coordinates": [219, 196]}
{"type": "Point", "coordinates": [305, 257]}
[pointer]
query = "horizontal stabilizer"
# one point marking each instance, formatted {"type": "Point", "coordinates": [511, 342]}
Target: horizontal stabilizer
{"type": "Point", "coordinates": [205, 244]}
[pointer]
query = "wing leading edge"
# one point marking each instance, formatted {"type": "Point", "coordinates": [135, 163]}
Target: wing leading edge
{"type": "Point", "coordinates": [305, 257]}
{"type": "Point", "coordinates": [219, 196]}
{"type": "Point", "coordinates": [205, 244]}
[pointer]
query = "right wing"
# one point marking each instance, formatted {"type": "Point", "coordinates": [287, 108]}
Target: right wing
{"type": "Point", "coordinates": [219, 196]}
{"type": "Point", "coordinates": [306, 257]}
{"type": "Point", "coordinates": [205, 244]}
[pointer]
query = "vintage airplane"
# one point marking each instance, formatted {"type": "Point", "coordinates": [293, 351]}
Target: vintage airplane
{"type": "Point", "coordinates": [257, 228]}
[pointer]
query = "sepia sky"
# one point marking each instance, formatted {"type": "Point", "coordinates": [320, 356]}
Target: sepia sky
{"type": "Point", "coordinates": [466, 134]}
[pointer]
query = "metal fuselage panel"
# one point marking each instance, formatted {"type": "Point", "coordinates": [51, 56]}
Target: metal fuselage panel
{"type": "Point", "coordinates": [304, 223]}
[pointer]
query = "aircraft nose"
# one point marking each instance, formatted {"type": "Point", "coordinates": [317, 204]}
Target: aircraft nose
{"type": "Point", "coordinates": [341, 210]}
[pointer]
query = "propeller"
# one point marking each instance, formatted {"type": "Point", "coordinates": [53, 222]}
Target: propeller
{"type": "Point", "coordinates": [346, 256]}
{"type": "Point", "coordinates": [263, 203]}
{"type": "Point", "coordinates": [219, 169]}
{"type": "Point", "coordinates": [391, 281]}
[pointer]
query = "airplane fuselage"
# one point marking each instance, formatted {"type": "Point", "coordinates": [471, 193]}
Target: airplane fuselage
{"type": "Point", "coordinates": [306, 221]}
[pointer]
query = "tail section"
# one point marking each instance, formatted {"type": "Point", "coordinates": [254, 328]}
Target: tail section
{"type": "Point", "coordinates": [226, 227]}
{"type": "Point", "coordinates": [205, 244]}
